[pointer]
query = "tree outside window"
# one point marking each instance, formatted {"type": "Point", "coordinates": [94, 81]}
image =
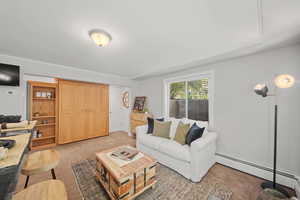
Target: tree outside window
{"type": "Point", "coordinates": [189, 99]}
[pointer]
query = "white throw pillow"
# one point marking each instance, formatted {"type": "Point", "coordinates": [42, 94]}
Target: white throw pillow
{"type": "Point", "coordinates": [173, 128]}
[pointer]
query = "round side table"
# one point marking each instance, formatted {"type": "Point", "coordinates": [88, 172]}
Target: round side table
{"type": "Point", "coordinates": [40, 161]}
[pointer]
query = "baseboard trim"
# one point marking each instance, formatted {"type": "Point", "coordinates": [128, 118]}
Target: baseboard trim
{"type": "Point", "coordinates": [256, 170]}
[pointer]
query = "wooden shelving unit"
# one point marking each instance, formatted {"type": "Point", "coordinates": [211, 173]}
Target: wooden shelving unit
{"type": "Point", "coordinates": [43, 108]}
{"type": "Point", "coordinates": [40, 117]}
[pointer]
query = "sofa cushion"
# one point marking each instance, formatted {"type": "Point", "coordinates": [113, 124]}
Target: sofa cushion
{"type": "Point", "coordinates": [181, 133]}
{"type": "Point", "coordinates": [151, 141]}
{"type": "Point", "coordinates": [175, 150]}
{"type": "Point", "coordinates": [162, 129]}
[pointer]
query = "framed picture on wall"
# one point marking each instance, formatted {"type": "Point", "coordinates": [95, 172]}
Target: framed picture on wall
{"type": "Point", "coordinates": [139, 104]}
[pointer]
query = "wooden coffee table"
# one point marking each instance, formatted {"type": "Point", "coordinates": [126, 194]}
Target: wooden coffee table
{"type": "Point", "coordinates": [125, 180]}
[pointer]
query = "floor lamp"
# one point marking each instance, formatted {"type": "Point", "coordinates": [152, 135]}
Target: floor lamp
{"type": "Point", "coordinates": [281, 81]}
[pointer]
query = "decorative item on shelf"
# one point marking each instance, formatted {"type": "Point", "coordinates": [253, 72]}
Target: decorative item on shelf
{"type": "Point", "coordinates": [3, 153]}
{"type": "Point", "coordinates": [34, 134]}
{"type": "Point", "coordinates": [45, 121]}
{"type": "Point", "coordinates": [39, 134]}
{"type": "Point", "coordinates": [44, 94]}
{"type": "Point", "coordinates": [38, 94]}
{"type": "Point", "coordinates": [281, 81]}
{"type": "Point", "coordinates": [125, 99]}
{"type": "Point", "coordinates": [49, 95]}
{"type": "Point", "coordinates": [139, 104]}
{"type": "Point", "coordinates": [36, 114]}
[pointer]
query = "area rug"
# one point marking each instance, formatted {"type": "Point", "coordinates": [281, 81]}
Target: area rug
{"type": "Point", "coordinates": [170, 185]}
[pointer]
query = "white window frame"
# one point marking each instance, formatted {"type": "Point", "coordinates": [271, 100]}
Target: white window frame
{"type": "Point", "coordinates": [192, 77]}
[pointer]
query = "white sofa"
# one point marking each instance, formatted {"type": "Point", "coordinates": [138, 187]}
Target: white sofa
{"type": "Point", "coordinates": [193, 162]}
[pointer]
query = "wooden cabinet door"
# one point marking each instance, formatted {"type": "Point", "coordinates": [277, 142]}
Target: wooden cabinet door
{"type": "Point", "coordinates": [83, 111]}
{"type": "Point", "coordinates": [69, 112]}
{"type": "Point", "coordinates": [104, 110]}
{"type": "Point", "coordinates": [93, 110]}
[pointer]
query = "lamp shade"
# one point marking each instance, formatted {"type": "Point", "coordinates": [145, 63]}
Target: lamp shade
{"type": "Point", "coordinates": [284, 81]}
{"type": "Point", "coordinates": [261, 89]}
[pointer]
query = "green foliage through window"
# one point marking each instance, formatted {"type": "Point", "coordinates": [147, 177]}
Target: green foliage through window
{"type": "Point", "coordinates": [196, 89]}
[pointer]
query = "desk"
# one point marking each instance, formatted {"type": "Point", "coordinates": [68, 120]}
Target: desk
{"type": "Point", "coordinates": [29, 128]}
{"type": "Point", "coordinates": [11, 166]}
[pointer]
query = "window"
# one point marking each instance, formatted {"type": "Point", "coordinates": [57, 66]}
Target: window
{"type": "Point", "coordinates": [189, 97]}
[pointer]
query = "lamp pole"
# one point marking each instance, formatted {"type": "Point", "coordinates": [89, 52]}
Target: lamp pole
{"type": "Point", "coordinates": [281, 81]}
{"type": "Point", "coordinates": [275, 146]}
{"type": "Point", "coordinates": [268, 184]}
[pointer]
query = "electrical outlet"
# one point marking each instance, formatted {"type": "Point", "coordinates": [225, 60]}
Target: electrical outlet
{"type": "Point", "coordinates": [10, 92]}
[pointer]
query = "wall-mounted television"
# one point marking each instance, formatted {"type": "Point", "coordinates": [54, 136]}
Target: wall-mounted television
{"type": "Point", "coordinates": [9, 75]}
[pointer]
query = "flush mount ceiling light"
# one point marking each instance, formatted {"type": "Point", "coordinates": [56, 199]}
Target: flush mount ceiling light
{"type": "Point", "coordinates": [100, 37]}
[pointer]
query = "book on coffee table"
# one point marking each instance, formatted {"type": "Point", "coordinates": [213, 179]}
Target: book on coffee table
{"type": "Point", "coordinates": [125, 181]}
{"type": "Point", "coordinates": [125, 153]}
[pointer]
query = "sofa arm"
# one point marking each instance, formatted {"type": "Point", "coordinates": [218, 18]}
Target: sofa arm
{"type": "Point", "coordinates": [141, 132]}
{"type": "Point", "coordinates": [141, 129]}
{"type": "Point", "coordinates": [203, 156]}
{"type": "Point", "coordinates": [201, 143]}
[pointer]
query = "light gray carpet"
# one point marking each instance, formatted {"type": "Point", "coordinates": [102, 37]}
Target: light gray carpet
{"type": "Point", "coordinates": [170, 186]}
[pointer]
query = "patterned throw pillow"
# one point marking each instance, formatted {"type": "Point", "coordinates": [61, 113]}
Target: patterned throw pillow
{"type": "Point", "coordinates": [162, 129]}
{"type": "Point", "coordinates": [181, 132]}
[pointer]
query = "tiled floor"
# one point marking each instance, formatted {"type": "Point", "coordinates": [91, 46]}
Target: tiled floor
{"type": "Point", "coordinates": [243, 186]}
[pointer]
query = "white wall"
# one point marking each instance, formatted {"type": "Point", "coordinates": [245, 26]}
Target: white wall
{"type": "Point", "coordinates": [243, 120]}
{"type": "Point", "coordinates": [14, 103]}
{"type": "Point", "coordinates": [118, 115]}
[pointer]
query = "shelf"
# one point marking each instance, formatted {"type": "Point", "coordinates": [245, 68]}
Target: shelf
{"type": "Point", "coordinates": [49, 99]}
{"type": "Point", "coordinates": [41, 117]}
{"type": "Point", "coordinates": [46, 109]}
{"type": "Point", "coordinates": [43, 138]}
{"type": "Point", "coordinates": [43, 146]}
{"type": "Point", "coordinates": [40, 125]}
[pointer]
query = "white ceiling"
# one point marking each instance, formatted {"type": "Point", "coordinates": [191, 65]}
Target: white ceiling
{"type": "Point", "coordinates": [148, 36]}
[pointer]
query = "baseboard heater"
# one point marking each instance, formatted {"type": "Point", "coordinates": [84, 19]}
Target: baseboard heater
{"type": "Point", "coordinates": [297, 187]}
{"type": "Point", "coordinates": [257, 166]}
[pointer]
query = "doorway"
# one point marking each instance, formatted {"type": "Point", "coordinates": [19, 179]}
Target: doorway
{"type": "Point", "coordinates": [118, 114]}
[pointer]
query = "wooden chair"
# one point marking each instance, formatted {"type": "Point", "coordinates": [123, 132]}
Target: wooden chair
{"type": "Point", "coordinates": [40, 161]}
{"type": "Point", "coordinates": [46, 190]}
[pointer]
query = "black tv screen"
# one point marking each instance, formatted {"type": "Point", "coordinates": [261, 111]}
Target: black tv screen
{"type": "Point", "coordinates": [9, 75]}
